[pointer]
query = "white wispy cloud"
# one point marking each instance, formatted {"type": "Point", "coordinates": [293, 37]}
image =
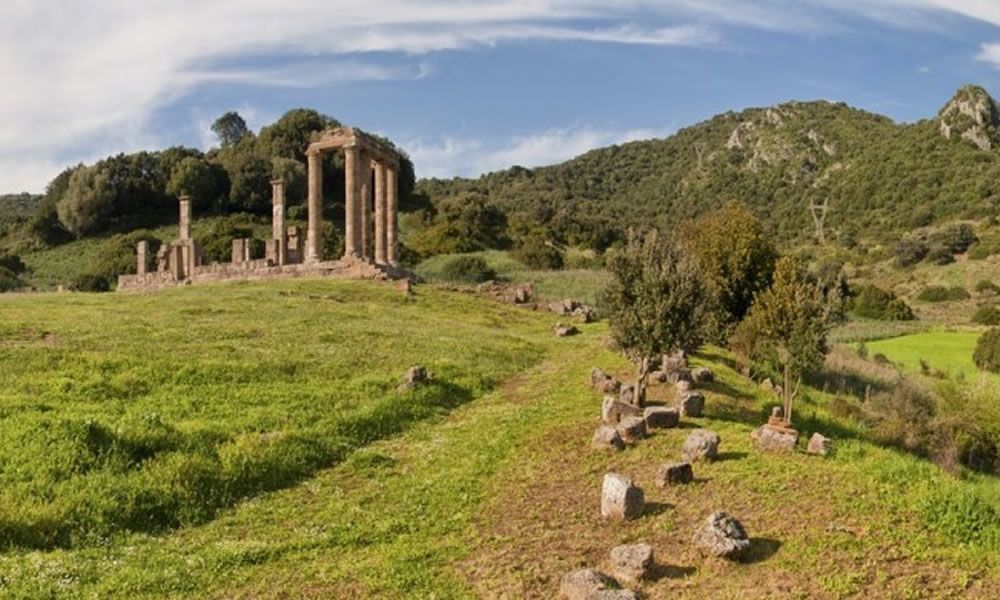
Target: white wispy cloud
{"type": "Point", "coordinates": [990, 53]}
{"type": "Point", "coordinates": [463, 156]}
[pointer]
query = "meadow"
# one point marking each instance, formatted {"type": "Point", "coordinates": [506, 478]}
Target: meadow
{"type": "Point", "coordinates": [258, 427]}
{"type": "Point", "coordinates": [941, 350]}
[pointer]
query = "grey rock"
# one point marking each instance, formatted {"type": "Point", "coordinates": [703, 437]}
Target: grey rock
{"type": "Point", "coordinates": [819, 444]}
{"type": "Point", "coordinates": [614, 595]}
{"type": "Point", "coordinates": [660, 417]}
{"type": "Point", "coordinates": [613, 411]}
{"type": "Point", "coordinates": [583, 584]}
{"type": "Point", "coordinates": [702, 375]}
{"type": "Point", "coordinates": [414, 376]}
{"type": "Point", "coordinates": [630, 564]}
{"type": "Point", "coordinates": [562, 330]}
{"type": "Point", "coordinates": [722, 536]}
{"type": "Point", "coordinates": [676, 473]}
{"type": "Point", "coordinates": [770, 439]}
{"type": "Point", "coordinates": [620, 498]}
{"type": "Point", "coordinates": [702, 444]}
{"type": "Point", "coordinates": [691, 404]}
{"type": "Point", "coordinates": [632, 429]}
{"type": "Point", "coordinates": [607, 438]}
{"type": "Point", "coordinates": [683, 386]}
{"type": "Point", "coordinates": [627, 394]}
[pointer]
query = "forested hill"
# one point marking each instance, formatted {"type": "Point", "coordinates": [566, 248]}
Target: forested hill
{"type": "Point", "coordinates": [877, 176]}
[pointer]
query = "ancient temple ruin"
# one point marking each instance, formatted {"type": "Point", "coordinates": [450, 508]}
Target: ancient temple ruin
{"type": "Point", "coordinates": [370, 214]}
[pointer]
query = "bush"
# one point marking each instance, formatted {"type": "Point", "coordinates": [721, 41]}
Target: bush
{"type": "Point", "coordinates": [90, 282]}
{"type": "Point", "coordinates": [218, 241]}
{"type": "Point", "coordinates": [956, 238]}
{"type": "Point", "coordinates": [960, 442]}
{"type": "Point", "coordinates": [937, 293]}
{"type": "Point", "coordinates": [536, 254]}
{"type": "Point", "coordinates": [939, 255]}
{"type": "Point", "coordinates": [987, 353]}
{"type": "Point", "coordinates": [12, 263]}
{"type": "Point", "coordinates": [910, 251]}
{"type": "Point", "coordinates": [468, 269]}
{"type": "Point", "coordinates": [979, 252]}
{"type": "Point", "coordinates": [985, 286]}
{"type": "Point", "coordinates": [872, 302]}
{"type": "Point", "coordinates": [987, 315]}
{"type": "Point", "coordinates": [9, 280]}
{"type": "Point", "coordinates": [116, 256]}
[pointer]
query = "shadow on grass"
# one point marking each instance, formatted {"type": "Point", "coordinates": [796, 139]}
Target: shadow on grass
{"type": "Point", "coordinates": [659, 572]}
{"type": "Point", "coordinates": [727, 456]}
{"type": "Point", "coordinates": [760, 550]}
{"type": "Point", "coordinates": [651, 509]}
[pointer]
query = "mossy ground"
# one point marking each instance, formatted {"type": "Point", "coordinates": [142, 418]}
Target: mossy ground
{"type": "Point", "coordinates": [494, 492]}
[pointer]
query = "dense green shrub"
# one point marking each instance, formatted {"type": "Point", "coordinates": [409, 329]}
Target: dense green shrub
{"type": "Point", "coordinates": [955, 238]}
{"type": "Point", "coordinates": [217, 242]}
{"type": "Point", "coordinates": [90, 282]}
{"type": "Point", "coordinates": [979, 252]}
{"type": "Point", "coordinates": [939, 255]}
{"type": "Point", "coordinates": [467, 269]}
{"type": "Point", "coordinates": [536, 254]}
{"type": "Point", "coordinates": [872, 302]}
{"type": "Point", "coordinates": [987, 353]}
{"type": "Point", "coordinates": [116, 255]}
{"type": "Point", "coordinates": [13, 263]}
{"type": "Point", "coordinates": [987, 315]}
{"type": "Point", "coordinates": [909, 251]}
{"type": "Point", "coordinates": [963, 516]}
{"type": "Point", "coordinates": [9, 280]}
{"type": "Point", "coordinates": [938, 293]}
{"type": "Point", "coordinates": [960, 441]}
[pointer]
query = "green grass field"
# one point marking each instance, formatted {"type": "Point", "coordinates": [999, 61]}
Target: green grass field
{"type": "Point", "coordinates": [258, 428]}
{"type": "Point", "coordinates": [948, 351]}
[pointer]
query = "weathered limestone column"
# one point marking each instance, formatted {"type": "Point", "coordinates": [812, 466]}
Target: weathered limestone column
{"type": "Point", "coordinates": [352, 200]}
{"type": "Point", "coordinates": [380, 213]}
{"type": "Point", "coordinates": [314, 233]}
{"type": "Point", "coordinates": [141, 257]}
{"type": "Point", "coordinates": [278, 220]}
{"type": "Point", "coordinates": [366, 208]}
{"type": "Point", "coordinates": [391, 206]}
{"type": "Point", "coordinates": [185, 218]}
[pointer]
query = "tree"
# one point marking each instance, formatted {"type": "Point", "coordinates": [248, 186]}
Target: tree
{"type": "Point", "coordinates": [88, 201]}
{"type": "Point", "coordinates": [293, 173]}
{"type": "Point", "coordinates": [289, 136]}
{"type": "Point", "coordinates": [230, 128]}
{"type": "Point", "coordinates": [194, 177]}
{"type": "Point", "coordinates": [737, 258]}
{"type": "Point", "coordinates": [787, 327]}
{"type": "Point", "coordinates": [657, 301]}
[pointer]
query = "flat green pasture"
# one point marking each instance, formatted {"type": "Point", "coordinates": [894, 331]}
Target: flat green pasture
{"type": "Point", "coordinates": [948, 351]}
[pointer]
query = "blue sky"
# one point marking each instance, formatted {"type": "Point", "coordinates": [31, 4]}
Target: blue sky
{"type": "Point", "coordinates": [464, 87]}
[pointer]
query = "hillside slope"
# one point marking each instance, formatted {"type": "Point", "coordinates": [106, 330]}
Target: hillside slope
{"type": "Point", "coordinates": [879, 177]}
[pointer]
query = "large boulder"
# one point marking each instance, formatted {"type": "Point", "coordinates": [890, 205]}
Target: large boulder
{"type": "Point", "coordinates": [606, 438]}
{"type": "Point", "coordinates": [600, 380]}
{"type": "Point", "coordinates": [691, 404]}
{"type": "Point", "coordinates": [414, 376]}
{"type": "Point", "coordinates": [722, 536]}
{"type": "Point", "coordinates": [819, 444]}
{"type": "Point", "coordinates": [632, 429]}
{"type": "Point", "coordinates": [613, 411]}
{"type": "Point", "coordinates": [585, 313]}
{"type": "Point", "coordinates": [631, 563]}
{"type": "Point", "coordinates": [583, 584]}
{"type": "Point", "coordinates": [629, 394]}
{"type": "Point", "coordinates": [563, 330]}
{"type": "Point", "coordinates": [773, 439]}
{"type": "Point", "coordinates": [702, 444]}
{"type": "Point", "coordinates": [660, 417]}
{"type": "Point", "coordinates": [620, 498]}
{"type": "Point", "coordinates": [675, 473]}
{"type": "Point", "coordinates": [702, 375]}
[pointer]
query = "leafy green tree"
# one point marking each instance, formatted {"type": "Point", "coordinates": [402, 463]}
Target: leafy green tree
{"type": "Point", "coordinates": [537, 254]}
{"type": "Point", "coordinates": [464, 223]}
{"type": "Point", "coordinates": [230, 128]}
{"type": "Point", "coordinates": [787, 327]}
{"type": "Point", "coordinates": [294, 175]}
{"type": "Point", "coordinates": [289, 136]}
{"type": "Point", "coordinates": [88, 203]}
{"type": "Point", "coordinates": [45, 225]}
{"type": "Point", "coordinates": [987, 352]}
{"type": "Point", "coordinates": [656, 301]}
{"type": "Point", "coordinates": [196, 178]}
{"type": "Point", "coordinates": [737, 258]}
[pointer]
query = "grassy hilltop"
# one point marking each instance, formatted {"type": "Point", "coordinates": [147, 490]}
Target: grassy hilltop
{"type": "Point", "coordinates": [248, 441]}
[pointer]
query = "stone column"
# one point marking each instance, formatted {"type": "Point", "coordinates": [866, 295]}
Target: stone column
{"type": "Point", "coordinates": [141, 257]}
{"type": "Point", "coordinates": [278, 220]}
{"type": "Point", "coordinates": [366, 208]}
{"type": "Point", "coordinates": [391, 207]}
{"type": "Point", "coordinates": [185, 218]}
{"type": "Point", "coordinates": [352, 238]}
{"type": "Point", "coordinates": [380, 213]}
{"type": "Point", "coordinates": [314, 233]}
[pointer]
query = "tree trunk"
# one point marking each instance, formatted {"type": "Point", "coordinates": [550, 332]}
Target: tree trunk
{"type": "Point", "coordinates": [640, 387]}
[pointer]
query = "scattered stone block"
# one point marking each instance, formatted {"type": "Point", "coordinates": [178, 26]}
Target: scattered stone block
{"type": "Point", "coordinates": [620, 498]}
{"type": "Point", "coordinates": [673, 362]}
{"type": "Point", "coordinates": [607, 438]}
{"type": "Point", "coordinates": [632, 429]}
{"type": "Point", "coordinates": [628, 395]}
{"type": "Point", "coordinates": [614, 595]}
{"type": "Point", "coordinates": [660, 417]}
{"type": "Point", "coordinates": [405, 286]}
{"type": "Point", "coordinates": [605, 383]}
{"type": "Point", "coordinates": [677, 375]}
{"type": "Point", "coordinates": [722, 536]}
{"type": "Point", "coordinates": [613, 411]}
{"type": "Point", "coordinates": [415, 376]}
{"type": "Point", "coordinates": [523, 294]}
{"type": "Point", "coordinates": [583, 584]}
{"type": "Point", "coordinates": [585, 314]}
{"type": "Point", "coordinates": [631, 563]}
{"type": "Point", "coordinates": [675, 473]}
{"type": "Point", "coordinates": [563, 330]}
{"type": "Point", "coordinates": [565, 307]}
{"type": "Point", "coordinates": [819, 444]}
{"type": "Point", "coordinates": [691, 404]}
{"type": "Point", "coordinates": [772, 439]}
{"type": "Point", "coordinates": [702, 375]}
{"type": "Point", "coordinates": [683, 386]}
{"type": "Point", "coordinates": [702, 444]}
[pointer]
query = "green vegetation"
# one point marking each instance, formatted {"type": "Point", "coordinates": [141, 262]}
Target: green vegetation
{"type": "Point", "coordinates": [987, 354]}
{"type": "Point", "coordinates": [467, 269]}
{"type": "Point", "coordinates": [949, 351]}
{"type": "Point", "coordinates": [156, 412]}
{"type": "Point", "coordinates": [937, 293]}
{"type": "Point", "coordinates": [987, 315]}
{"type": "Point", "coordinates": [872, 302]}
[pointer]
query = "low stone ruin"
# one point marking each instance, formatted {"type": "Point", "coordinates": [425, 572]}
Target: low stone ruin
{"type": "Point", "coordinates": [691, 404]}
{"type": "Point", "coordinates": [628, 394]}
{"type": "Point", "coordinates": [702, 375]}
{"type": "Point", "coordinates": [620, 498]}
{"type": "Point", "coordinates": [564, 330]}
{"type": "Point", "coordinates": [702, 444]}
{"type": "Point", "coordinates": [584, 583]}
{"type": "Point", "coordinates": [722, 536]}
{"type": "Point", "coordinates": [607, 438]}
{"type": "Point", "coordinates": [604, 382]}
{"type": "Point", "coordinates": [415, 376]}
{"type": "Point", "coordinates": [613, 411]}
{"type": "Point", "coordinates": [820, 445]}
{"type": "Point", "coordinates": [776, 435]}
{"type": "Point", "coordinates": [569, 307]}
{"type": "Point", "coordinates": [675, 473]}
{"type": "Point", "coordinates": [632, 429]}
{"type": "Point", "coordinates": [659, 417]}
{"type": "Point", "coordinates": [631, 563]}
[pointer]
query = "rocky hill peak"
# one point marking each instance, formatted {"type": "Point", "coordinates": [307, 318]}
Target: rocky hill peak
{"type": "Point", "coordinates": [972, 114]}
